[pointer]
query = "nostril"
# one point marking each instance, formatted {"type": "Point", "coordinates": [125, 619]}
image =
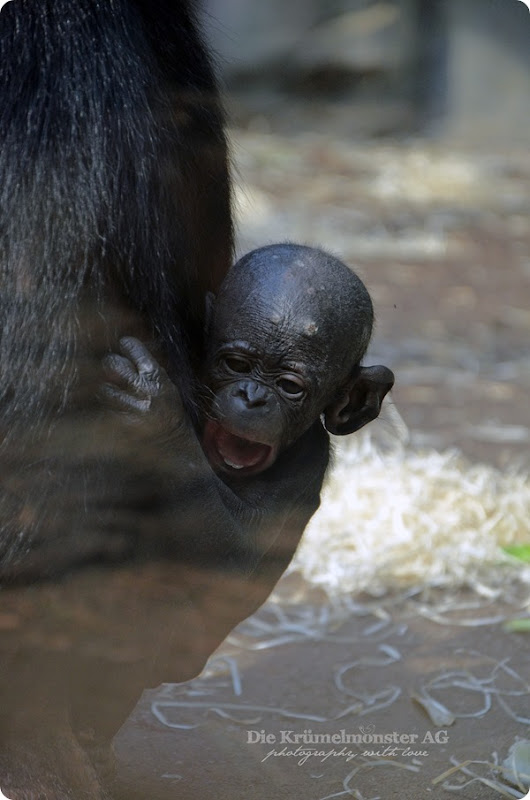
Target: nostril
{"type": "Point", "coordinates": [256, 401]}
{"type": "Point", "coordinates": [252, 393]}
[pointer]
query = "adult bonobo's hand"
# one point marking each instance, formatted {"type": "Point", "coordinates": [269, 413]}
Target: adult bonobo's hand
{"type": "Point", "coordinates": [141, 387]}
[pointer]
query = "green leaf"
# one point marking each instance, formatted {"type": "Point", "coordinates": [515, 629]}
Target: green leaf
{"type": "Point", "coordinates": [518, 625]}
{"type": "Point", "coordinates": [520, 551]}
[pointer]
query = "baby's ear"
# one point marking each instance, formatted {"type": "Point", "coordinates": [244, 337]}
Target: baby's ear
{"type": "Point", "coordinates": [359, 401]}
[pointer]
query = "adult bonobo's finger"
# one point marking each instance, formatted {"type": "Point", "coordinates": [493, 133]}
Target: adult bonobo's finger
{"type": "Point", "coordinates": [139, 355]}
{"type": "Point", "coordinates": [123, 400]}
{"type": "Point", "coordinates": [118, 367]}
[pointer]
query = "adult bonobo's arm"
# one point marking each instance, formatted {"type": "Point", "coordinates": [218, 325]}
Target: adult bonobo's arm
{"type": "Point", "coordinates": [251, 525]}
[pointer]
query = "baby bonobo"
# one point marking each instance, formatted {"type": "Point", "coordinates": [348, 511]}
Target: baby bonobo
{"type": "Point", "coordinates": [286, 336]}
{"type": "Point", "coordinates": [284, 340]}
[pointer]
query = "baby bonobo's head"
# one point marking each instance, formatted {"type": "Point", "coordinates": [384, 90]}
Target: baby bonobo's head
{"type": "Point", "coordinates": [285, 338]}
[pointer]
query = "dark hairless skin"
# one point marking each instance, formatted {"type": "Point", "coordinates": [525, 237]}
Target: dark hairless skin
{"type": "Point", "coordinates": [284, 341]}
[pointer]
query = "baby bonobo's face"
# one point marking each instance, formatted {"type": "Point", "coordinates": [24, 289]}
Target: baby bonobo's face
{"type": "Point", "coordinates": [266, 387]}
{"type": "Point", "coordinates": [276, 358]}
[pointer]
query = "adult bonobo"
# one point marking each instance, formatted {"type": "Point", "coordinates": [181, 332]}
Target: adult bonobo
{"type": "Point", "coordinates": [115, 219]}
{"type": "Point", "coordinates": [284, 342]}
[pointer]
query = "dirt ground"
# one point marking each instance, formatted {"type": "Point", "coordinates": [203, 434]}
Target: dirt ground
{"type": "Point", "coordinates": [441, 236]}
{"type": "Point", "coordinates": [359, 678]}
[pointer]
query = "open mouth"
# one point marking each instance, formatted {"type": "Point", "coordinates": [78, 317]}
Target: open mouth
{"type": "Point", "coordinates": [234, 454]}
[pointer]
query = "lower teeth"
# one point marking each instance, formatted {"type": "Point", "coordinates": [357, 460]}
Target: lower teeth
{"type": "Point", "coordinates": [234, 466]}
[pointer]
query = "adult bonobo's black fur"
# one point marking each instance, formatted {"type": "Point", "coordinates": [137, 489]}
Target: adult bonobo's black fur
{"type": "Point", "coordinates": [284, 342]}
{"type": "Point", "coordinates": [115, 217]}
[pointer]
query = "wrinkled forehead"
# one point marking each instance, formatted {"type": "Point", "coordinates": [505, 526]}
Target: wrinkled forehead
{"type": "Point", "coordinates": [289, 297]}
{"type": "Point", "coordinates": [284, 319]}
{"type": "Point", "coordinates": [280, 304]}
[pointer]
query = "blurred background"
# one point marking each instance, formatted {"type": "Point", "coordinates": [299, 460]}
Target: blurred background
{"type": "Point", "coordinates": [376, 68]}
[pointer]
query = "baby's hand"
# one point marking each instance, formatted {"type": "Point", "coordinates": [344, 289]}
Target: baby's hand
{"type": "Point", "coordinates": [141, 387]}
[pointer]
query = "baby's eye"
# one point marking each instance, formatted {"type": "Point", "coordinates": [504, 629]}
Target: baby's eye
{"type": "Point", "coordinates": [237, 364]}
{"type": "Point", "coordinates": [291, 386]}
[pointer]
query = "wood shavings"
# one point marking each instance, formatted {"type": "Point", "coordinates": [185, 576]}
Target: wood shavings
{"type": "Point", "coordinates": [412, 517]}
{"type": "Point", "coordinates": [464, 767]}
{"type": "Point", "coordinates": [162, 710]}
{"type": "Point", "coordinates": [274, 625]}
{"type": "Point", "coordinates": [350, 791]}
{"type": "Point", "coordinates": [488, 688]}
{"type": "Point", "coordinates": [438, 713]}
{"type": "Point", "coordinates": [517, 764]}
